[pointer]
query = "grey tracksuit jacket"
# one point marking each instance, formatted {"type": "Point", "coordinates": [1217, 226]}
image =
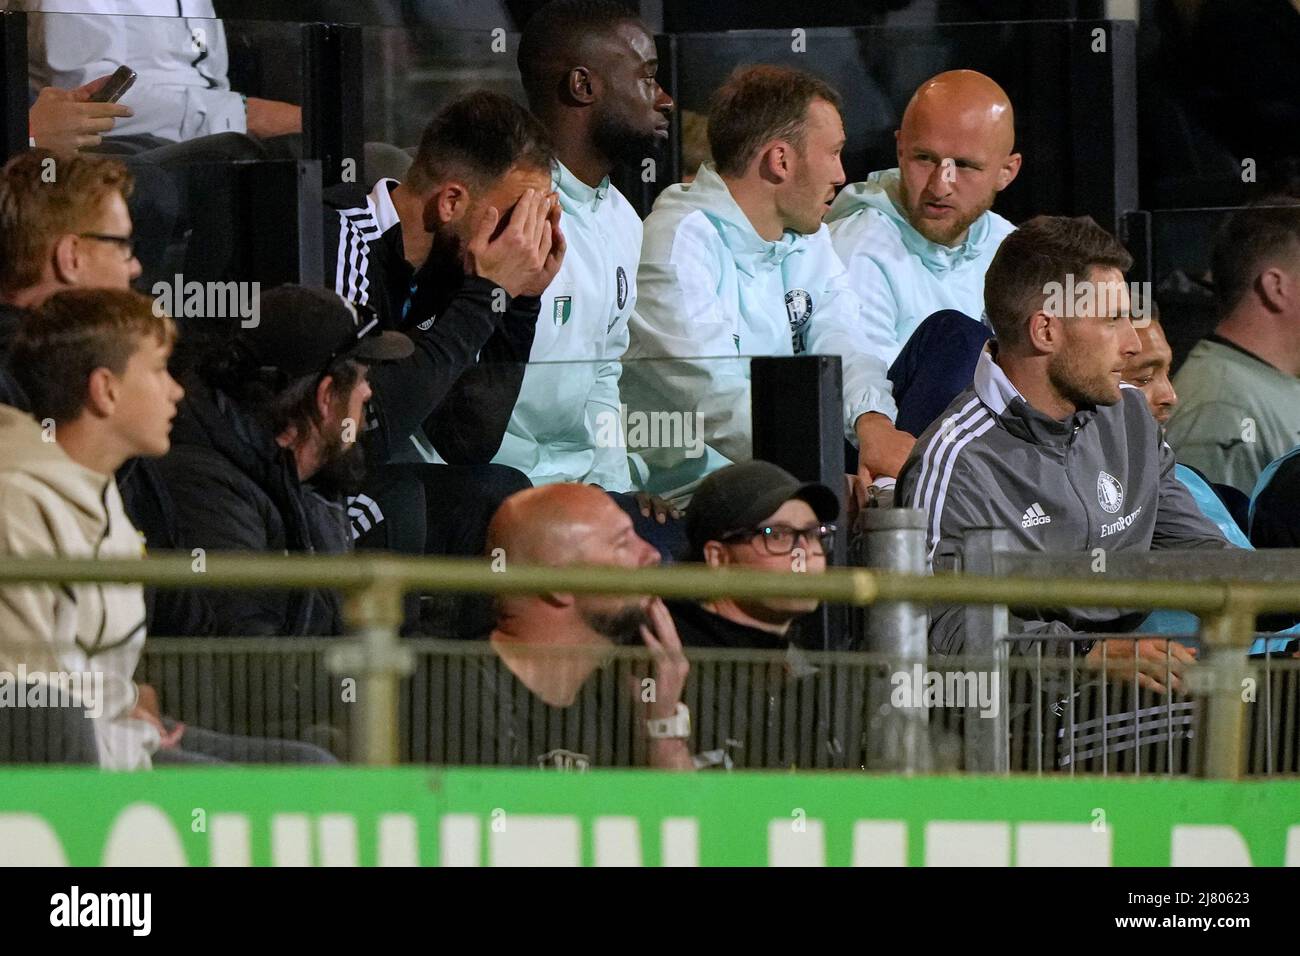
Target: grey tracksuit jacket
{"type": "Point", "coordinates": [1104, 478]}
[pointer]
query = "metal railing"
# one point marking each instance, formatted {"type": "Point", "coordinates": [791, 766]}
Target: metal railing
{"type": "Point", "coordinates": [379, 661]}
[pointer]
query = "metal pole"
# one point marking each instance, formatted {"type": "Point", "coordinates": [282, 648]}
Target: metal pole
{"type": "Point", "coordinates": [899, 739]}
{"type": "Point", "coordinates": [376, 661]}
{"type": "Point", "coordinates": [333, 100]}
{"type": "Point", "coordinates": [985, 651]}
{"type": "Point", "coordinates": [1219, 681]}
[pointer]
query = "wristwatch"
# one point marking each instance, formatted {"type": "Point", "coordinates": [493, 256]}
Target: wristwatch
{"type": "Point", "coordinates": [676, 727]}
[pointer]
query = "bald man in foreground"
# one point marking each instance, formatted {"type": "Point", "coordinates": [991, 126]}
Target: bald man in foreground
{"type": "Point", "coordinates": [550, 645]}
{"type": "Point", "coordinates": [917, 240]}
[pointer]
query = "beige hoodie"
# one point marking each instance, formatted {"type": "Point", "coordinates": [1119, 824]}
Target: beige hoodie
{"type": "Point", "coordinates": [52, 506]}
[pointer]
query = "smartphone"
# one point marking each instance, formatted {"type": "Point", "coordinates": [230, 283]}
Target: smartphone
{"type": "Point", "coordinates": [116, 86]}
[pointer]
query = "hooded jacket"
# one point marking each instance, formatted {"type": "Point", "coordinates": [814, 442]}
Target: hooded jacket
{"type": "Point", "coordinates": [902, 277]}
{"type": "Point", "coordinates": [50, 506]}
{"type": "Point", "coordinates": [712, 291]}
{"type": "Point", "coordinates": [235, 489]}
{"type": "Point", "coordinates": [1102, 479]}
{"type": "Point", "coordinates": [565, 425]}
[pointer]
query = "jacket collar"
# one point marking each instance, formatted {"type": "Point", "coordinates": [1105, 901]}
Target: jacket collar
{"type": "Point", "coordinates": [752, 253]}
{"type": "Point", "coordinates": [1017, 416]}
{"type": "Point", "coordinates": [938, 258]}
{"type": "Point", "coordinates": [574, 193]}
{"type": "Point", "coordinates": [207, 416]}
{"type": "Point", "coordinates": [381, 201]}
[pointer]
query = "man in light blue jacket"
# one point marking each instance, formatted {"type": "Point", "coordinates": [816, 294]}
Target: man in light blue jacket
{"type": "Point", "coordinates": [589, 72]}
{"type": "Point", "coordinates": [736, 264]}
{"type": "Point", "coordinates": [917, 239]}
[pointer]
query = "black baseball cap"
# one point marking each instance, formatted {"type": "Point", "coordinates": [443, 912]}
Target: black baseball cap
{"type": "Point", "coordinates": [303, 330]}
{"type": "Point", "coordinates": [738, 497]}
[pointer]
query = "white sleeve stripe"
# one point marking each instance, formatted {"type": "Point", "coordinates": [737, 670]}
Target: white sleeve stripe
{"type": "Point", "coordinates": [358, 262]}
{"type": "Point", "coordinates": [940, 460]}
{"type": "Point", "coordinates": [939, 442]}
{"type": "Point", "coordinates": [345, 230]}
{"type": "Point", "coordinates": [937, 514]}
{"type": "Point", "coordinates": [359, 501]}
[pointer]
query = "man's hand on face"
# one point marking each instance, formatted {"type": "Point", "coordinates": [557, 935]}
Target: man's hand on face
{"type": "Point", "coordinates": [669, 665]}
{"type": "Point", "coordinates": [66, 120]}
{"type": "Point", "coordinates": [524, 258]}
{"type": "Point", "coordinates": [1147, 658]}
{"type": "Point", "coordinates": [555, 257]}
{"type": "Point", "coordinates": [882, 448]}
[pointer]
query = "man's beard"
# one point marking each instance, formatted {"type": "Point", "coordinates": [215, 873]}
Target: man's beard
{"type": "Point", "coordinates": [1080, 390]}
{"type": "Point", "coordinates": [944, 235]}
{"type": "Point", "coordinates": [344, 470]}
{"type": "Point", "coordinates": [623, 627]}
{"type": "Point", "coordinates": [446, 261]}
{"type": "Point", "coordinates": [622, 144]}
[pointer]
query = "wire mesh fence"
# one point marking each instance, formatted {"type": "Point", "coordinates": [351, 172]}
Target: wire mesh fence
{"type": "Point", "coordinates": [461, 704]}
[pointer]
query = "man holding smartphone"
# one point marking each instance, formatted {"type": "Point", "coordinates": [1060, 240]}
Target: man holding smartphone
{"type": "Point", "coordinates": [178, 48]}
{"type": "Point", "coordinates": [67, 120]}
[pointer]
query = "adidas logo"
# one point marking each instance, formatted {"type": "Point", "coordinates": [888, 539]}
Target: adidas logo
{"type": "Point", "coordinates": [1034, 515]}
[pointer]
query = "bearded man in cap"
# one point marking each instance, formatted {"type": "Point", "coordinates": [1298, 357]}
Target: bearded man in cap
{"type": "Point", "coordinates": [265, 445]}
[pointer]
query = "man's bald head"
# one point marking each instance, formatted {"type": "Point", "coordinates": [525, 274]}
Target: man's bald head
{"type": "Point", "coordinates": [558, 525]}
{"type": "Point", "coordinates": [565, 524]}
{"type": "Point", "coordinates": [955, 153]}
{"type": "Point", "coordinates": [550, 525]}
{"type": "Point", "coordinates": [965, 101]}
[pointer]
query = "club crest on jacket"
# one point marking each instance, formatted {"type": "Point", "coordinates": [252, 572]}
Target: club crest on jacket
{"type": "Point", "coordinates": [1110, 493]}
{"type": "Point", "coordinates": [799, 306]}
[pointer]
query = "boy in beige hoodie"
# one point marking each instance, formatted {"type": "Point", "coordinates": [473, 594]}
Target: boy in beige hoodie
{"type": "Point", "coordinates": [94, 364]}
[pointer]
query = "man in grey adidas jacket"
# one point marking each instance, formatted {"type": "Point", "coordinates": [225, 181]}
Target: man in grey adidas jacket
{"type": "Point", "coordinates": [1047, 443]}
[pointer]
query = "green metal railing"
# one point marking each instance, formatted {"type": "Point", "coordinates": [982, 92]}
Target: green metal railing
{"type": "Point", "coordinates": [374, 587]}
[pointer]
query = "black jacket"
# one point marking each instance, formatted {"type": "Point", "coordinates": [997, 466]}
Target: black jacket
{"type": "Point", "coordinates": [235, 489]}
{"type": "Point", "coordinates": [461, 383]}
{"type": "Point", "coordinates": [1275, 510]}
{"type": "Point", "coordinates": [11, 393]}
{"type": "Point", "coordinates": [472, 341]}
{"type": "Point", "coordinates": [170, 612]}
{"type": "Point", "coordinates": [698, 627]}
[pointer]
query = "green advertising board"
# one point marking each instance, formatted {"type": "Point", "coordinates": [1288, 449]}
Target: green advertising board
{"type": "Point", "coordinates": [408, 816]}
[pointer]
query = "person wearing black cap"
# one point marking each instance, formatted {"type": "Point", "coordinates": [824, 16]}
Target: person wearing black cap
{"type": "Point", "coordinates": [754, 515]}
{"type": "Point", "coordinates": [757, 515]}
{"type": "Point", "coordinates": [266, 442]}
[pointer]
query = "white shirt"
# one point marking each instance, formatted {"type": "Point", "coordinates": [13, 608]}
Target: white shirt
{"type": "Point", "coordinates": [176, 47]}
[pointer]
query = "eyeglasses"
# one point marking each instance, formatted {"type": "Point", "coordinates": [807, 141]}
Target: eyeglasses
{"type": "Point", "coordinates": [780, 539]}
{"type": "Point", "coordinates": [125, 243]}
